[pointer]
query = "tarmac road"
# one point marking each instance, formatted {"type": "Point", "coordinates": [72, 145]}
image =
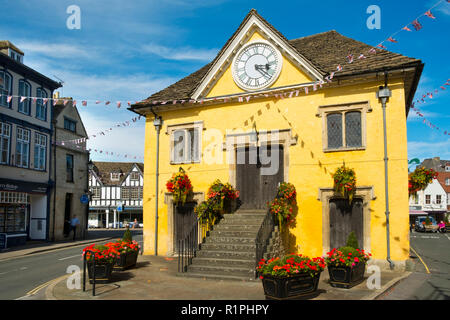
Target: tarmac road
{"type": "Point", "coordinates": [431, 277]}
{"type": "Point", "coordinates": [20, 276]}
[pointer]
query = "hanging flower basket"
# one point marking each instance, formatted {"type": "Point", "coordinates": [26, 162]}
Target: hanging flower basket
{"type": "Point", "coordinates": [180, 186]}
{"type": "Point", "coordinates": [419, 180]}
{"type": "Point", "coordinates": [221, 196]}
{"type": "Point", "coordinates": [345, 182]}
{"type": "Point", "coordinates": [282, 207]}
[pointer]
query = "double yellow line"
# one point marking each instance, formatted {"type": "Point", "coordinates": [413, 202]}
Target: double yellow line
{"type": "Point", "coordinates": [424, 264]}
{"type": "Point", "coordinates": [36, 290]}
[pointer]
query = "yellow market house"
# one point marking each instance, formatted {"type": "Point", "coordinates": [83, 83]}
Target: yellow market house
{"type": "Point", "coordinates": [320, 108]}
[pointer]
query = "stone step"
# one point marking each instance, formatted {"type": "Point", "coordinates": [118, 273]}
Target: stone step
{"type": "Point", "coordinates": [228, 247]}
{"type": "Point", "coordinates": [215, 277]}
{"type": "Point", "coordinates": [211, 261]}
{"type": "Point", "coordinates": [253, 211]}
{"type": "Point", "coordinates": [221, 270]}
{"type": "Point", "coordinates": [221, 254]}
{"type": "Point", "coordinates": [250, 215]}
{"type": "Point", "coordinates": [217, 239]}
{"type": "Point", "coordinates": [237, 227]}
{"type": "Point", "coordinates": [234, 233]}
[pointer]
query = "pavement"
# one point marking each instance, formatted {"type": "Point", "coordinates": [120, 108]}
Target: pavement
{"type": "Point", "coordinates": [155, 278]}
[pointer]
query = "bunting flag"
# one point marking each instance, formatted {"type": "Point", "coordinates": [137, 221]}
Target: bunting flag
{"type": "Point", "coordinates": [406, 28]}
{"type": "Point", "coordinates": [429, 14]}
{"type": "Point", "coordinates": [417, 25]}
{"type": "Point", "coordinates": [390, 39]}
{"type": "Point", "coordinates": [350, 58]}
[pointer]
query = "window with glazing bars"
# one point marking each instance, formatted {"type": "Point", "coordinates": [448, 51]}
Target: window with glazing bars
{"type": "Point", "coordinates": [344, 130]}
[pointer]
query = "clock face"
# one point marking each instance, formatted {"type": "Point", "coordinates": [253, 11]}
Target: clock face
{"type": "Point", "coordinates": [256, 66]}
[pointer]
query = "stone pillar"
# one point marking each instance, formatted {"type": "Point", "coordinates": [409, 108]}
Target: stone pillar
{"type": "Point", "coordinates": [107, 219]}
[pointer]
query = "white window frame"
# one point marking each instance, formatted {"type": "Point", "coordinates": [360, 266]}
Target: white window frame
{"type": "Point", "coordinates": [40, 151]}
{"type": "Point", "coordinates": [134, 175]}
{"type": "Point", "coordinates": [22, 140]}
{"type": "Point", "coordinates": [5, 135]}
{"type": "Point", "coordinates": [25, 93]}
{"type": "Point", "coordinates": [41, 107]}
{"type": "Point", "coordinates": [185, 131]}
{"type": "Point", "coordinates": [428, 199]}
{"type": "Point", "coordinates": [447, 181]}
{"type": "Point", "coordinates": [438, 196]}
{"type": "Point", "coordinates": [115, 176]}
{"type": "Point", "coordinates": [5, 88]}
{"type": "Point", "coordinates": [96, 192]}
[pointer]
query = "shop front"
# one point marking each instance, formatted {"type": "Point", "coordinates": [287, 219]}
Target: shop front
{"type": "Point", "coordinates": [23, 211]}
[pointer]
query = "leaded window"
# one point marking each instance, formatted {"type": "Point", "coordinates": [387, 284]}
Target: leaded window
{"type": "Point", "coordinates": [186, 145]}
{"type": "Point", "coordinates": [344, 130]}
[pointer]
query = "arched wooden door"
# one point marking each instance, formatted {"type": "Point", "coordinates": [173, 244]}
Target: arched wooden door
{"type": "Point", "coordinates": [345, 218]}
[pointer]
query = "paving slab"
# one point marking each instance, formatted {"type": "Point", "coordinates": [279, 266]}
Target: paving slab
{"type": "Point", "coordinates": [155, 278]}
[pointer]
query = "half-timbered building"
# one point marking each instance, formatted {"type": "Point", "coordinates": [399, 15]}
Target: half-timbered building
{"type": "Point", "coordinates": [116, 190]}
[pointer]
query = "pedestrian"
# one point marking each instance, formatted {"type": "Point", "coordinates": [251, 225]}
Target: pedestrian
{"type": "Point", "coordinates": [73, 225]}
{"type": "Point", "coordinates": [441, 226]}
{"type": "Point", "coordinates": [135, 224]}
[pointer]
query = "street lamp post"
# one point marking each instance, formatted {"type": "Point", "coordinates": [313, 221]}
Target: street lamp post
{"type": "Point", "coordinates": [157, 122]}
{"type": "Point", "coordinates": [383, 95]}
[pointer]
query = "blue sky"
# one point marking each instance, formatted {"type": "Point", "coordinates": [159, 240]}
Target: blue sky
{"type": "Point", "coordinates": [127, 50]}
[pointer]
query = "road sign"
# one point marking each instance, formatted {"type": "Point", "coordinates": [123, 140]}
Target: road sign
{"type": "Point", "coordinates": [120, 206]}
{"type": "Point", "coordinates": [84, 199]}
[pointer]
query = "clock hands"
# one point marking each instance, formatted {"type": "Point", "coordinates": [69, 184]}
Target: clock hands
{"type": "Point", "coordinates": [263, 69]}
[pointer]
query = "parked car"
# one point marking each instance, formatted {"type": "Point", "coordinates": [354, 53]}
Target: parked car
{"type": "Point", "coordinates": [420, 226]}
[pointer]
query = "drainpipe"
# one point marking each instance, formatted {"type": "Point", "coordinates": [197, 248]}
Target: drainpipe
{"type": "Point", "coordinates": [157, 122]}
{"type": "Point", "coordinates": [383, 95]}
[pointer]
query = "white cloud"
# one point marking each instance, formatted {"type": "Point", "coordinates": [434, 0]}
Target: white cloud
{"type": "Point", "coordinates": [181, 53]}
{"type": "Point", "coordinates": [55, 50]}
{"type": "Point", "coordinates": [425, 149]}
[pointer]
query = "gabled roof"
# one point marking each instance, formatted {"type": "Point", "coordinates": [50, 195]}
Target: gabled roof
{"type": "Point", "coordinates": [104, 170]}
{"type": "Point", "coordinates": [324, 51]}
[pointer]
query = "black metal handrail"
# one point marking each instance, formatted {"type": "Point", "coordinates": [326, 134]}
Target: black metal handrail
{"type": "Point", "coordinates": [93, 271]}
{"type": "Point", "coordinates": [262, 237]}
{"type": "Point", "coordinates": [188, 247]}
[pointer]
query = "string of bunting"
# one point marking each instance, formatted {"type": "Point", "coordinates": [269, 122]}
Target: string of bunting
{"type": "Point", "coordinates": [102, 133]}
{"type": "Point", "coordinates": [429, 95]}
{"type": "Point", "coordinates": [117, 154]}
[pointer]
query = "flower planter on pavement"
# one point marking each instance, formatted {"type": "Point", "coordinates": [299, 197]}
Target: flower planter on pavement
{"type": "Point", "coordinates": [102, 272]}
{"type": "Point", "coordinates": [288, 288]}
{"type": "Point", "coordinates": [126, 261]}
{"type": "Point", "coordinates": [346, 277]}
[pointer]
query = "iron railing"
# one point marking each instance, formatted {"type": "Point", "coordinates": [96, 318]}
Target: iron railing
{"type": "Point", "coordinates": [188, 247]}
{"type": "Point", "coordinates": [262, 238]}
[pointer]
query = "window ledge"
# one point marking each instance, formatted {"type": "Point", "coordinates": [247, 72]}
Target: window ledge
{"type": "Point", "coordinates": [345, 149]}
{"type": "Point", "coordinates": [188, 162]}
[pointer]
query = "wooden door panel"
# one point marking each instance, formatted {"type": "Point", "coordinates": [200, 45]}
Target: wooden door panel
{"type": "Point", "coordinates": [345, 218]}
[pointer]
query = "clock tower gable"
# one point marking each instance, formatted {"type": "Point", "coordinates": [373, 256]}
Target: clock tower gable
{"type": "Point", "coordinates": [257, 58]}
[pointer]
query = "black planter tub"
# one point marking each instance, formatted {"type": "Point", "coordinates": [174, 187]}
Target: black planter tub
{"type": "Point", "coordinates": [287, 288]}
{"type": "Point", "coordinates": [346, 277]}
{"type": "Point", "coordinates": [102, 272]}
{"type": "Point", "coordinates": [125, 261]}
